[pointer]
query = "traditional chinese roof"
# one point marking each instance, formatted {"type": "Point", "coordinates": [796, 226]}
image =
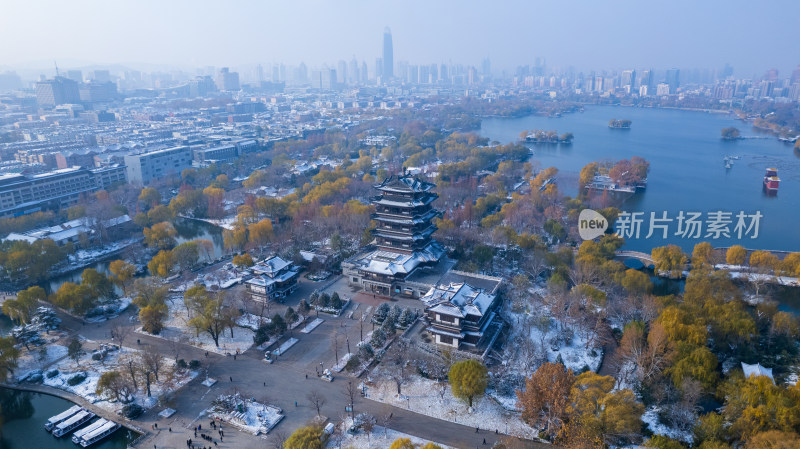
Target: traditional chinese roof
{"type": "Point", "coordinates": [458, 299]}
{"type": "Point", "coordinates": [391, 263]}
{"type": "Point", "coordinates": [271, 267]}
{"type": "Point", "coordinates": [404, 184]}
{"type": "Point", "coordinates": [757, 370]}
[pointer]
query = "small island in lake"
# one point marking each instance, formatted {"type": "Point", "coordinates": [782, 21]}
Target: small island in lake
{"type": "Point", "coordinates": [541, 136]}
{"type": "Point", "coordinates": [619, 124]}
{"type": "Point", "coordinates": [731, 133]}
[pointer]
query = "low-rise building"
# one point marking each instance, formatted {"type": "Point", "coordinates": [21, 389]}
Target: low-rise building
{"type": "Point", "coordinates": [145, 168]}
{"type": "Point", "coordinates": [459, 313]}
{"type": "Point", "coordinates": [22, 194]}
{"type": "Point", "coordinates": [273, 280]}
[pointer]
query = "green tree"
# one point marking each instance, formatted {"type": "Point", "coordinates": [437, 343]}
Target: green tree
{"type": "Point", "coordinates": [74, 349]}
{"type": "Point", "coordinates": [636, 283]}
{"type": "Point", "coordinates": [670, 259]}
{"type": "Point", "coordinates": [122, 274]}
{"type": "Point", "coordinates": [149, 197]}
{"type": "Point", "coordinates": [160, 235]}
{"type": "Point", "coordinates": [468, 379]}
{"type": "Point", "coordinates": [703, 255]}
{"type": "Point", "coordinates": [98, 283]}
{"type": "Point", "coordinates": [309, 437]}
{"type": "Point", "coordinates": [735, 255]}
{"type": "Point", "coordinates": [211, 313]}
{"type": "Point", "coordinates": [23, 308]}
{"type": "Point", "coordinates": [402, 443]}
{"type": "Point", "coordinates": [8, 357]}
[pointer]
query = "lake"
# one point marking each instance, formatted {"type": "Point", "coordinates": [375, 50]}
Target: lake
{"type": "Point", "coordinates": [25, 413]}
{"type": "Point", "coordinates": [686, 168]}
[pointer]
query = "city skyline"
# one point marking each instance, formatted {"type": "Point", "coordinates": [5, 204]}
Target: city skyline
{"type": "Point", "coordinates": [585, 36]}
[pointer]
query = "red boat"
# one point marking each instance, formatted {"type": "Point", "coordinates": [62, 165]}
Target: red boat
{"type": "Point", "coordinates": [771, 181]}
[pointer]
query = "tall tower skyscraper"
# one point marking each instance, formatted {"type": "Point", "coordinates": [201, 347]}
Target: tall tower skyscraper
{"type": "Point", "coordinates": [388, 55]}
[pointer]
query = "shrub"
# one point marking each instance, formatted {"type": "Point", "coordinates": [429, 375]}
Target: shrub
{"type": "Point", "coordinates": [76, 379]}
{"type": "Point", "coordinates": [182, 364]}
{"type": "Point", "coordinates": [132, 411]}
{"type": "Point", "coordinates": [51, 374]}
{"type": "Point", "coordinates": [194, 364]}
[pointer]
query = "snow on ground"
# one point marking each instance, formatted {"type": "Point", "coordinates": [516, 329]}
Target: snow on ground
{"type": "Point", "coordinates": [176, 328]}
{"type": "Point", "coordinates": [650, 417]}
{"type": "Point", "coordinates": [380, 438]}
{"type": "Point", "coordinates": [486, 413]}
{"type": "Point", "coordinates": [251, 321]}
{"type": "Point", "coordinates": [85, 255]}
{"type": "Point", "coordinates": [33, 360]}
{"type": "Point", "coordinates": [248, 415]}
{"type": "Point", "coordinates": [285, 346]}
{"type": "Point", "coordinates": [93, 369]}
{"type": "Point", "coordinates": [342, 363]}
{"type": "Point", "coordinates": [312, 325]}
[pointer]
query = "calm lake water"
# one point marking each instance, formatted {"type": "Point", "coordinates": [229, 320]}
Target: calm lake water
{"type": "Point", "coordinates": [24, 415]}
{"type": "Point", "coordinates": [686, 168]}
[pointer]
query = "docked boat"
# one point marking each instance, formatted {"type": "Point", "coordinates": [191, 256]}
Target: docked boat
{"type": "Point", "coordinates": [98, 434]}
{"type": "Point", "coordinates": [72, 423]}
{"type": "Point", "coordinates": [76, 437]}
{"type": "Point", "coordinates": [771, 181]}
{"type": "Point", "coordinates": [61, 417]}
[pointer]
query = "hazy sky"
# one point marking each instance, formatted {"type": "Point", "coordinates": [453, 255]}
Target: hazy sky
{"type": "Point", "coordinates": [596, 34]}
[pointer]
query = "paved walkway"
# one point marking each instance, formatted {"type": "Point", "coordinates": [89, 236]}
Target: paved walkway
{"type": "Point", "coordinates": [285, 384]}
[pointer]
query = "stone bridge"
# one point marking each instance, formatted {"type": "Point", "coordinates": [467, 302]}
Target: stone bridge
{"type": "Point", "coordinates": [645, 258]}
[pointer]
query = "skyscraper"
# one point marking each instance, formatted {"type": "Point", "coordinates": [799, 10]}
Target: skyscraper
{"type": "Point", "coordinates": [673, 80]}
{"type": "Point", "coordinates": [58, 90]}
{"type": "Point", "coordinates": [388, 55]}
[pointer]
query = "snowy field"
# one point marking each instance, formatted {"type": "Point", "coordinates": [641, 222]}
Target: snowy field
{"type": "Point", "coordinates": [650, 417]}
{"type": "Point", "coordinates": [251, 321]}
{"type": "Point", "coordinates": [93, 369]}
{"type": "Point", "coordinates": [422, 395]}
{"type": "Point", "coordinates": [380, 438]}
{"type": "Point", "coordinates": [253, 417]}
{"type": "Point", "coordinates": [176, 328]}
{"type": "Point", "coordinates": [38, 360]}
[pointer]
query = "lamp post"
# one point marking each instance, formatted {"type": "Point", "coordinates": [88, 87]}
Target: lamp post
{"type": "Point", "coordinates": [348, 345]}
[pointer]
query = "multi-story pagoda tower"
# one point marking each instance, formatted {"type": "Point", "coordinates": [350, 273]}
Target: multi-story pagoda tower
{"type": "Point", "coordinates": [403, 239]}
{"type": "Point", "coordinates": [404, 212]}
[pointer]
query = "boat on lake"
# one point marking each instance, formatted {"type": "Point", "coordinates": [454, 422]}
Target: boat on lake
{"type": "Point", "coordinates": [771, 181]}
{"type": "Point", "coordinates": [72, 423]}
{"type": "Point", "coordinates": [61, 417]}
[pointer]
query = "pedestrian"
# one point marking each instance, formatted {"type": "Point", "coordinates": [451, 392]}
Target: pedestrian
{"type": "Point", "coordinates": [476, 430]}
{"type": "Point", "coordinates": [154, 447]}
{"type": "Point", "coordinates": [199, 427]}
{"type": "Point", "coordinates": [306, 376]}
{"type": "Point", "coordinates": [170, 429]}
{"type": "Point", "coordinates": [231, 377]}
{"type": "Point", "coordinates": [234, 357]}
{"type": "Point", "coordinates": [496, 432]}
{"type": "Point", "coordinates": [156, 425]}
{"type": "Point", "coordinates": [265, 384]}
{"type": "Point", "coordinates": [484, 441]}
{"type": "Point", "coordinates": [138, 342]}
{"type": "Point", "coordinates": [295, 403]}
{"type": "Point", "coordinates": [391, 414]}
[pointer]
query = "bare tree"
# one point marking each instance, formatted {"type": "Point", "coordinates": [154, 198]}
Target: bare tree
{"type": "Point", "coordinates": [397, 362]}
{"type": "Point", "coordinates": [316, 399]}
{"type": "Point", "coordinates": [368, 424]}
{"type": "Point", "coordinates": [120, 332]}
{"type": "Point", "coordinates": [385, 418]}
{"type": "Point", "coordinates": [151, 361]}
{"type": "Point", "coordinates": [350, 392]}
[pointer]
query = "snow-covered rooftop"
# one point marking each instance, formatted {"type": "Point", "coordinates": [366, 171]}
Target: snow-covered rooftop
{"type": "Point", "coordinates": [458, 299]}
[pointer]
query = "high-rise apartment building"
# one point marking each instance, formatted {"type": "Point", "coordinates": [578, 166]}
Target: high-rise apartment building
{"type": "Point", "coordinates": [58, 90]}
{"type": "Point", "coordinates": [227, 80]}
{"type": "Point", "coordinates": [388, 55]}
{"type": "Point", "coordinates": [673, 80]}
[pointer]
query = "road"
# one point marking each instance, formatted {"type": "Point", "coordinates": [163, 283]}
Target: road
{"type": "Point", "coordinates": [282, 383]}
